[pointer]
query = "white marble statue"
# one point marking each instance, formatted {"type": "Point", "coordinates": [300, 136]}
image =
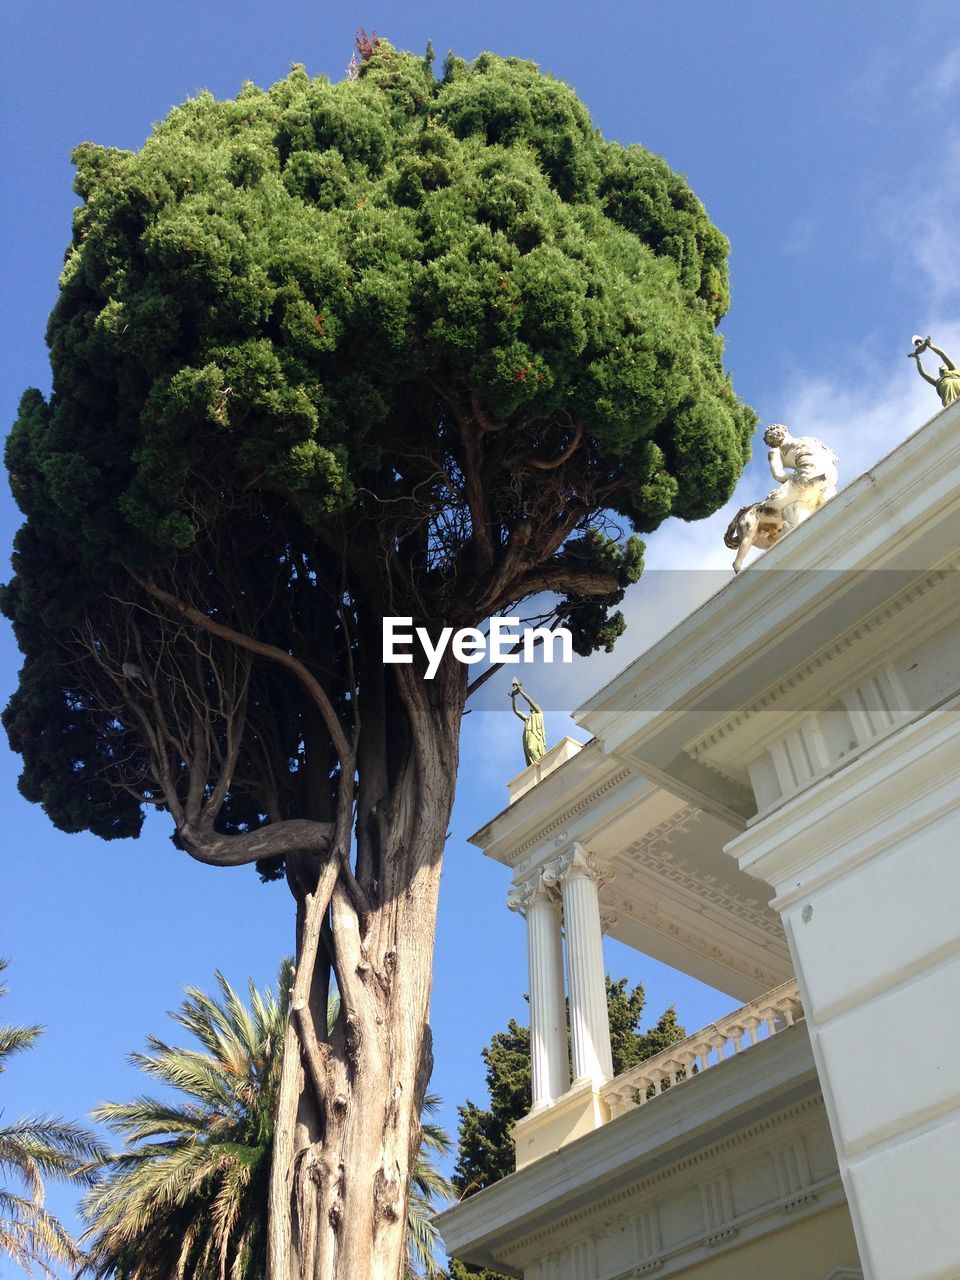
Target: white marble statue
{"type": "Point", "coordinates": [807, 472]}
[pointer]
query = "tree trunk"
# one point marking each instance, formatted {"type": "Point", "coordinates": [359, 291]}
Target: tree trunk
{"type": "Point", "coordinates": [348, 1123]}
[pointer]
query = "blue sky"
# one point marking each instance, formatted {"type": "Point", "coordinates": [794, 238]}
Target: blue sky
{"type": "Point", "coordinates": [823, 139]}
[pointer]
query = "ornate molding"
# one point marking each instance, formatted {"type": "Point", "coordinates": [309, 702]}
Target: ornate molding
{"type": "Point", "coordinates": [567, 815]}
{"type": "Point", "coordinates": [640, 914]}
{"type": "Point", "coordinates": [608, 919]}
{"type": "Point", "coordinates": [634, 1197]}
{"type": "Point", "coordinates": [575, 861]}
{"type": "Point", "coordinates": [793, 679]}
{"type": "Point", "coordinates": [522, 894]}
{"type": "Point", "coordinates": [707, 889]}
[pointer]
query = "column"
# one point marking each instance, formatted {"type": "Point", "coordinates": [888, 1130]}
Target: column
{"type": "Point", "coordinates": [548, 1024]}
{"type": "Point", "coordinates": [578, 878]}
{"type": "Point", "coordinates": [866, 873]}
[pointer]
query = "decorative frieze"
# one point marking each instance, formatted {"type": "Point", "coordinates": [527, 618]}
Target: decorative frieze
{"type": "Point", "coordinates": [718, 1209]}
{"type": "Point", "coordinates": [840, 701]}
{"type": "Point", "coordinates": [778, 692]}
{"type": "Point", "coordinates": [567, 815]}
{"type": "Point", "coordinates": [792, 1165]}
{"type": "Point", "coordinates": [649, 1242]}
{"type": "Point", "coordinates": [652, 852]}
{"type": "Point", "coordinates": [706, 1200]}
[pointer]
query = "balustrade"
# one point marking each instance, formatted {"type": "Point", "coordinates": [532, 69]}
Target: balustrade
{"type": "Point", "coordinates": [722, 1040]}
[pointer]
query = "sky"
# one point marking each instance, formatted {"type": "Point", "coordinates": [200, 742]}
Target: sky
{"type": "Point", "coordinates": [823, 140]}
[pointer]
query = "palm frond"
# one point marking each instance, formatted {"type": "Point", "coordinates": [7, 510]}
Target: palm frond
{"type": "Point", "coordinates": [422, 1237]}
{"type": "Point", "coordinates": [15, 1040]}
{"type": "Point", "coordinates": [31, 1148]}
{"type": "Point", "coordinates": [185, 1198]}
{"type": "Point", "coordinates": [58, 1148]}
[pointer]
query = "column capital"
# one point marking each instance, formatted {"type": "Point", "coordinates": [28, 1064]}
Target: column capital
{"type": "Point", "coordinates": [522, 894]}
{"type": "Point", "coordinates": [575, 861]}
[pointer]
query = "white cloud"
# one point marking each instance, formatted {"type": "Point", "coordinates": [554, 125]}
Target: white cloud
{"type": "Point", "coordinates": [944, 80]}
{"type": "Point", "coordinates": [870, 413]}
{"type": "Point", "coordinates": [921, 219]}
{"type": "Point", "coordinates": [863, 417]}
{"type": "Point", "coordinates": [801, 234]}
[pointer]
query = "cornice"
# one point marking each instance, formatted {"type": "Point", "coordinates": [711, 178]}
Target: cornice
{"type": "Point", "coordinates": [686, 1174]}
{"type": "Point", "coordinates": [568, 815]}
{"type": "Point", "coordinates": [848, 641]}
{"type": "Point", "coordinates": [901, 782]}
{"type": "Point", "coordinates": [916, 486]}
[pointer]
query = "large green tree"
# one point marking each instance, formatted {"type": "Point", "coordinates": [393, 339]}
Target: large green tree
{"type": "Point", "coordinates": [32, 1149]}
{"type": "Point", "coordinates": [400, 345]}
{"type": "Point", "coordinates": [188, 1193]}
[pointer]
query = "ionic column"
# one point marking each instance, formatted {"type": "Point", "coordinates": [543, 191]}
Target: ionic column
{"type": "Point", "coordinates": [578, 878]}
{"type": "Point", "coordinates": [548, 1031]}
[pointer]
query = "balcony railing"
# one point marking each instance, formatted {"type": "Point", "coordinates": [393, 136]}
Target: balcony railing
{"type": "Point", "coordinates": [723, 1039]}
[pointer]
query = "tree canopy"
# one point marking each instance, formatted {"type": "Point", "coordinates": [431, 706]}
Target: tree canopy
{"type": "Point", "coordinates": [403, 345]}
{"type": "Point", "coordinates": [424, 327]}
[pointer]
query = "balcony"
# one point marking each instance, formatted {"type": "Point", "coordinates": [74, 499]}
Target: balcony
{"type": "Point", "coordinates": [730, 1168]}
{"type": "Point", "coordinates": [724, 1039]}
{"type": "Point", "coordinates": [587, 1105]}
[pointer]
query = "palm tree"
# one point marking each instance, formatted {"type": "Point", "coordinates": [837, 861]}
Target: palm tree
{"type": "Point", "coordinates": [30, 1149]}
{"type": "Point", "coordinates": [187, 1195]}
{"type": "Point", "coordinates": [427, 1187]}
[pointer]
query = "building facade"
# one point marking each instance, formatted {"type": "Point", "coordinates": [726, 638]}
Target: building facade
{"type": "Point", "coordinates": [770, 802]}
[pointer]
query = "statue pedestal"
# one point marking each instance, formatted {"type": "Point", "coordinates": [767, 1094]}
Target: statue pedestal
{"type": "Point", "coordinates": [565, 750]}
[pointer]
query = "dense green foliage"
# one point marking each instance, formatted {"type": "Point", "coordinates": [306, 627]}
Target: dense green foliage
{"type": "Point", "coordinates": [485, 1151]}
{"type": "Point", "coordinates": [31, 1149]}
{"type": "Point", "coordinates": [401, 337]}
{"type": "Point", "coordinates": [188, 1193]}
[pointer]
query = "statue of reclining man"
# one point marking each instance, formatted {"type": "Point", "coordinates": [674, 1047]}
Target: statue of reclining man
{"type": "Point", "coordinates": [807, 471]}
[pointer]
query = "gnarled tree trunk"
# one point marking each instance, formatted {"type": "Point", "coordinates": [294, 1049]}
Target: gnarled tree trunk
{"type": "Point", "coordinates": [348, 1126]}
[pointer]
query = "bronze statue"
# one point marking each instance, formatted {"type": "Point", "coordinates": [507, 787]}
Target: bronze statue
{"type": "Point", "coordinates": [947, 382]}
{"type": "Point", "coordinates": [534, 733]}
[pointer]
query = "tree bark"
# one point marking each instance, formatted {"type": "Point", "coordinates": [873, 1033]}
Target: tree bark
{"type": "Point", "coordinates": [338, 1205]}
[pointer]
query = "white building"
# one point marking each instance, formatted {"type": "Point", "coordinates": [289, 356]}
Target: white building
{"type": "Point", "coordinates": [770, 801]}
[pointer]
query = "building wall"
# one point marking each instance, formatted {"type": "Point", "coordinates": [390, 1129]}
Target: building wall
{"type": "Point", "coordinates": [815, 1249]}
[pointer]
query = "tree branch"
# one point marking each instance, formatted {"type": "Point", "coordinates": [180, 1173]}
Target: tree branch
{"type": "Point", "coordinates": [263, 650]}
{"type": "Point", "coordinates": [565, 580]}
{"type": "Point", "coordinates": [278, 839]}
{"type": "Point", "coordinates": [485, 423]}
{"type": "Point", "coordinates": [316, 911]}
{"type": "Point", "coordinates": [553, 463]}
